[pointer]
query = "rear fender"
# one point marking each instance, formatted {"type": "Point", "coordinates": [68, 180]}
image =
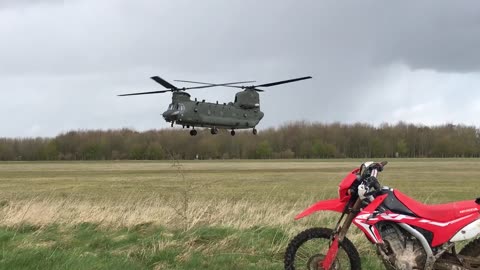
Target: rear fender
{"type": "Point", "coordinates": [328, 205]}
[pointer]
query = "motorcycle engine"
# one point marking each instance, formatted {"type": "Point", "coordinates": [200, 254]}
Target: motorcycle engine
{"type": "Point", "coordinates": [401, 250]}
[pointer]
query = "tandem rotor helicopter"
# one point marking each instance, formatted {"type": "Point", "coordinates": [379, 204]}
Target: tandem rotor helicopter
{"type": "Point", "coordinates": [243, 113]}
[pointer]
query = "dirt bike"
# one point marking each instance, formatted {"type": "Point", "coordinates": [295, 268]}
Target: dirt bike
{"type": "Point", "coordinates": [407, 234]}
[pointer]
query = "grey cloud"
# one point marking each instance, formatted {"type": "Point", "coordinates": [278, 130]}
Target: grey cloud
{"type": "Point", "coordinates": [196, 36]}
{"type": "Point", "coordinates": [6, 4]}
{"type": "Point", "coordinates": [76, 56]}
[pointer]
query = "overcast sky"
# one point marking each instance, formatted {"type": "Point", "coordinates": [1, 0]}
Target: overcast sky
{"type": "Point", "coordinates": [62, 63]}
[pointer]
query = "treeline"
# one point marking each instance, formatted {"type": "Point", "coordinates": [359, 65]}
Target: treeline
{"type": "Point", "coordinates": [295, 140]}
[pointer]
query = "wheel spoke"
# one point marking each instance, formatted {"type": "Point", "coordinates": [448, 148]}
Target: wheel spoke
{"type": "Point", "coordinates": [308, 249]}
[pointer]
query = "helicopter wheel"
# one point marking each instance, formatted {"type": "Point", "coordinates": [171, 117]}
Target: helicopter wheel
{"type": "Point", "coordinates": [193, 132]}
{"type": "Point", "coordinates": [254, 131]}
{"type": "Point", "coordinates": [213, 131]}
{"type": "Point", "coordinates": [232, 132]}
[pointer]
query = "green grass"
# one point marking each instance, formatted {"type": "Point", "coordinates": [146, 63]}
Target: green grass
{"type": "Point", "coordinates": [86, 246]}
{"type": "Point", "coordinates": [202, 215]}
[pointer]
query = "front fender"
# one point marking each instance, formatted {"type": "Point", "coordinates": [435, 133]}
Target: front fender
{"type": "Point", "coordinates": [328, 205]}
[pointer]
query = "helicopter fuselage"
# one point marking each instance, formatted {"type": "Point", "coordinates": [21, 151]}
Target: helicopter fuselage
{"type": "Point", "coordinates": [244, 113]}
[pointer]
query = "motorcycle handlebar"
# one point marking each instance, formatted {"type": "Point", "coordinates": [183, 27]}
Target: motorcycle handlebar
{"type": "Point", "coordinates": [368, 175]}
{"type": "Point", "coordinates": [379, 166]}
{"type": "Point", "coordinates": [372, 185]}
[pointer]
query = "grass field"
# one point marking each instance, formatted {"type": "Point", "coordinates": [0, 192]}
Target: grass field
{"type": "Point", "coordinates": [192, 215]}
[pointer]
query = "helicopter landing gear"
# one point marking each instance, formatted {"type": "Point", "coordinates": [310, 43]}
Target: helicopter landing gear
{"type": "Point", "coordinates": [214, 131]}
{"type": "Point", "coordinates": [232, 132]}
{"type": "Point", "coordinates": [172, 124]}
{"type": "Point", "coordinates": [193, 132]}
{"type": "Point", "coordinates": [254, 131]}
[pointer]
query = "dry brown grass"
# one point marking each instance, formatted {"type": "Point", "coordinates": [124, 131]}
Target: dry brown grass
{"type": "Point", "coordinates": [237, 194]}
{"type": "Point", "coordinates": [131, 212]}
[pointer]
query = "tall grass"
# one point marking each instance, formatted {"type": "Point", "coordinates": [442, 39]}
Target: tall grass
{"type": "Point", "coordinates": [198, 216]}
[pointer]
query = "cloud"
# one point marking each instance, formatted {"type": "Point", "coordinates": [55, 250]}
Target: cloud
{"type": "Point", "coordinates": [20, 4]}
{"type": "Point", "coordinates": [65, 61]}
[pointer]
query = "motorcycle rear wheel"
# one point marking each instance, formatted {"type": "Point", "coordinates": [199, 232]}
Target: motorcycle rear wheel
{"type": "Point", "coordinates": [472, 249]}
{"type": "Point", "coordinates": [309, 247]}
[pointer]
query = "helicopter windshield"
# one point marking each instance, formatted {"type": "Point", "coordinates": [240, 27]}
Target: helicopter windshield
{"type": "Point", "coordinates": [176, 107]}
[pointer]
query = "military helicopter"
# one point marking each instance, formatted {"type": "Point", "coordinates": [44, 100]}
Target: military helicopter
{"type": "Point", "coordinates": [243, 113]}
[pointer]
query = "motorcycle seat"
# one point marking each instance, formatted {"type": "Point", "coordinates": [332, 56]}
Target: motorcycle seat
{"type": "Point", "coordinates": [438, 212]}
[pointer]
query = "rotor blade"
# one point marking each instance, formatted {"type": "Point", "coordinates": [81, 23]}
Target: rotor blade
{"type": "Point", "coordinates": [145, 93]}
{"type": "Point", "coordinates": [282, 82]}
{"type": "Point", "coordinates": [223, 84]}
{"type": "Point", "coordinates": [236, 86]}
{"type": "Point", "coordinates": [163, 82]}
{"type": "Point", "coordinates": [245, 87]}
{"type": "Point", "coordinates": [175, 90]}
{"type": "Point", "coordinates": [200, 87]}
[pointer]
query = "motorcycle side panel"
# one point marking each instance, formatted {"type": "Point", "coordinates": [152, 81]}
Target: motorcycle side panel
{"type": "Point", "coordinates": [442, 231]}
{"type": "Point", "coordinates": [328, 205]}
{"type": "Point", "coordinates": [371, 207]}
{"type": "Point", "coordinates": [470, 231]}
{"type": "Point", "coordinates": [361, 220]}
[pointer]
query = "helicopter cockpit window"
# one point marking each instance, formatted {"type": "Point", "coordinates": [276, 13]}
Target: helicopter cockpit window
{"type": "Point", "coordinates": [180, 107]}
{"type": "Point", "coordinates": [177, 107]}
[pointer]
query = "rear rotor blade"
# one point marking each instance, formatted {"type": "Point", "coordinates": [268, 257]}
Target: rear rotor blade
{"type": "Point", "coordinates": [253, 87]}
{"type": "Point", "coordinates": [163, 82]}
{"type": "Point", "coordinates": [283, 82]}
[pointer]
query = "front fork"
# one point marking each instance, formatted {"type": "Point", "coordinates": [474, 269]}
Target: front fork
{"type": "Point", "coordinates": [340, 233]}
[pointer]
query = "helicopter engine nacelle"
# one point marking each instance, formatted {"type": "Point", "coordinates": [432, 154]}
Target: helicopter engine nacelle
{"type": "Point", "coordinates": [248, 99]}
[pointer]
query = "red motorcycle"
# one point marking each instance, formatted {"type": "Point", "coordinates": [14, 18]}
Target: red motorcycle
{"type": "Point", "coordinates": [407, 234]}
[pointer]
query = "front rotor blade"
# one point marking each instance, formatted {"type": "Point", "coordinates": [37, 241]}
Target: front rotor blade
{"type": "Point", "coordinates": [199, 87]}
{"type": "Point", "coordinates": [212, 85]}
{"type": "Point", "coordinates": [177, 89]}
{"type": "Point", "coordinates": [282, 82]}
{"type": "Point", "coordinates": [163, 82]}
{"type": "Point", "coordinates": [145, 93]}
{"type": "Point", "coordinates": [223, 84]}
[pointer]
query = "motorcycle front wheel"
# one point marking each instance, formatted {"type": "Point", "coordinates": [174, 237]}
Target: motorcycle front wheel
{"type": "Point", "coordinates": [309, 248]}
